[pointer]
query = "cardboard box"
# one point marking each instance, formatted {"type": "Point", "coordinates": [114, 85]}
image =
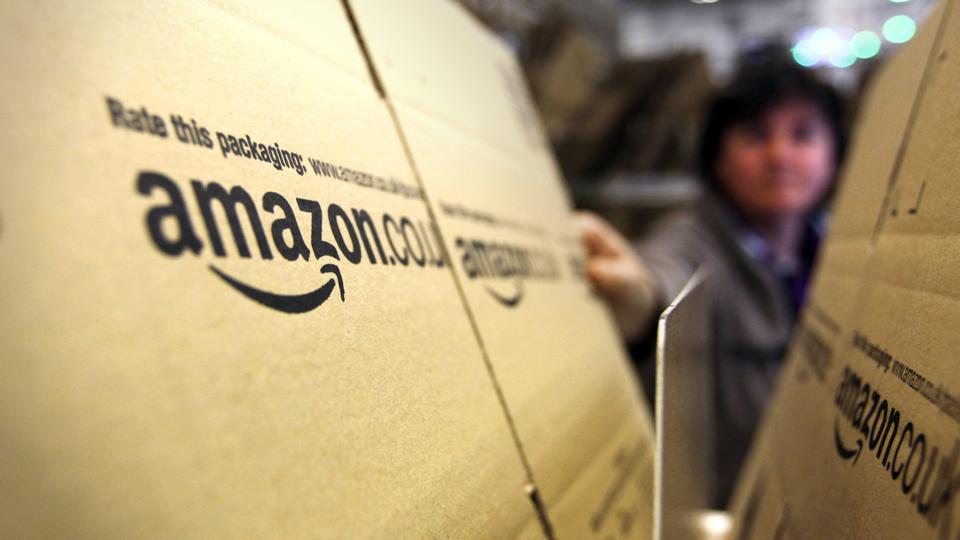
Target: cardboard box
{"type": "Point", "coordinates": [153, 387]}
{"type": "Point", "coordinates": [494, 190]}
{"type": "Point", "coordinates": [229, 309]}
{"type": "Point", "coordinates": [566, 68]}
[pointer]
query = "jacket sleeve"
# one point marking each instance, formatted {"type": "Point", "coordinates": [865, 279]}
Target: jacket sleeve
{"type": "Point", "coordinates": [673, 250]}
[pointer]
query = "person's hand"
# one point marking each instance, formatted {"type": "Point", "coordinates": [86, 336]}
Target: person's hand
{"type": "Point", "coordinates": [617, 272]}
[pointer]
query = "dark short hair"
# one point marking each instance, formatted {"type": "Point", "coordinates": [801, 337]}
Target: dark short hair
{"type": "Point", "coordinates": [758, 86]}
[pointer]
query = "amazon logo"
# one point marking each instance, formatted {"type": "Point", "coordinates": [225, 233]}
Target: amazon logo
{"type": "Point", "coordinates": [918, 466]}
{"type": "Point", "coordinates": [845, 450]}
{"type": "Point", "coordinates": [332, 236]}
{"type": "Point", "coordinates": [504, 267]}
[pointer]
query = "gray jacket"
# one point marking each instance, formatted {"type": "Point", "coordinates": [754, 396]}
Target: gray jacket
{"type": "Point", "coordinates": [749, 322]}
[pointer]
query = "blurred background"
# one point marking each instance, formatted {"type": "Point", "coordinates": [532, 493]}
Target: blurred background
{"type": "Point", "coordinates": [621, 84]}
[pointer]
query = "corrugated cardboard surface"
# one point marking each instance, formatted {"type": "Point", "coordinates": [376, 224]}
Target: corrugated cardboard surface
{"type": "Point", "coordinates": [864, 183]}
{"type": "Point", "coordinates": [159, 384]}
{"type": "Point", "coordinates": [142, 395]}
{"type": "Point", "coordinates": [865, 445]}
{"type": "Point", "coordinates": [491, 182]}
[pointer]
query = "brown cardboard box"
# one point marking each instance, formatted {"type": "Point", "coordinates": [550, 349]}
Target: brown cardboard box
{"type": "Point", "coordinates": [494, 190]}
{"type": "Point", "coordinates": [662, 96]}
{"type": "Point", "coordinates": [566, 78]}
{"type": "Point", "coordinates": [152, 388]}
{"type": "Point", "coordinates": [246, 323]}
{"type": "Point", "coordinates": [863, 440]}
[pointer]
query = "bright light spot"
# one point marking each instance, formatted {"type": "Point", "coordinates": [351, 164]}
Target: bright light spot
{"type": "Point", "coordinates": [716, 524]}
{"type": "Point", "coordinates": [865, 44]}
{"type": "Point", "coordinates": [704, 1]}
{"type": "Point", "coordinates": [899, 1]}
{"type": "Point", "coordinates": [899, 29]}
{"type": "Point", "coordinates": [842, 57]}
{"type": "Point", "coordinates": [803, 55]}
{"type": "Point", "coordinates": [824, 41]}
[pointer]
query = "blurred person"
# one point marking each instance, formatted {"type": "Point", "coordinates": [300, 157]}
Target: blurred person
{"type": "Point", "coordinates": [769, 153]}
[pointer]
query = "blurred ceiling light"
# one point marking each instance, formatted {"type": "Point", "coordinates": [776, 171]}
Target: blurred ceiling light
{"type": "Point", "coordinates": [865, 44]}
{"type": "Point", "coordinates": [803, 55]}
{"type": "Point", "coordinates": [824, 42]}
{"type": "Point", "coordinates": [899, 1]}
{"type": "Point", "coordinates": [843, 57]}
{"type": "Point", "coordinates": [899, 29]}
{"type": "Point", "coordinates": [704, 1]}
{"type": "Point", "coordinates": [715, 524]}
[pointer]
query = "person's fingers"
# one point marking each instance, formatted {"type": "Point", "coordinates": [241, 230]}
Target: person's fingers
{"type": "Point", "coordinates": [611, 277]}
{"type": "Point", "coordinates": [595, 243]}
{"type": "Point", "coordinates": [590, 233]}
{"type": "Point", "coordinates": [626, 286]}
{"type": "Point", "coordinates": [599, 237]}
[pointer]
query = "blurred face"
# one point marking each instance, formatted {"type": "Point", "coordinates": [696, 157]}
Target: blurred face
{"type": "Point", "coordinates": [779, 164]}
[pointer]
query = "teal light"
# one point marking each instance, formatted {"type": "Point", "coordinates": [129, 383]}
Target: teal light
{"type": "Point", "coordinates": [842, 57]}
{"type": "Point", "coordinates": [823, 41]}
{"type": "Point", "coordinates": [803, 55]}
{"type": "Point", "coordinates": [899, 29]}
{"type": "Point", "coordinates": [865, 44]}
